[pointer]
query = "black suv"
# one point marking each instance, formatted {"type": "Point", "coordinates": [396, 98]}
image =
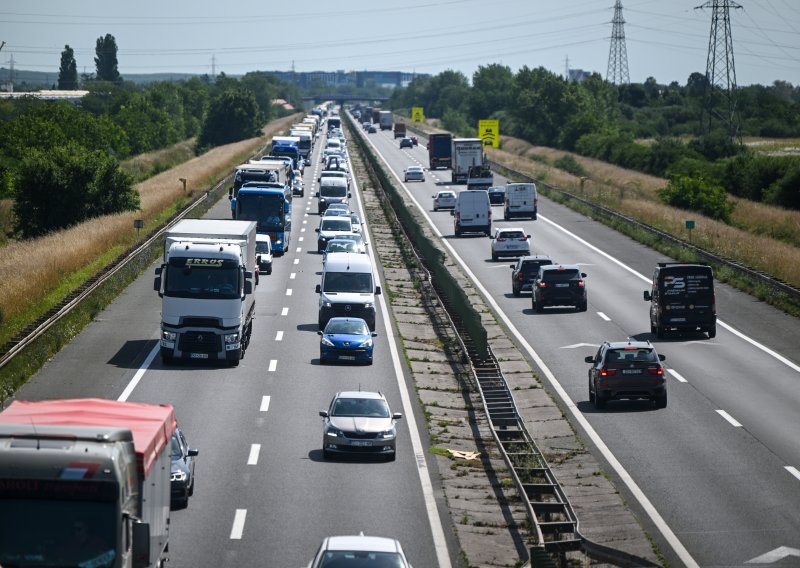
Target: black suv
{"type": "Point", "coordinates": [682, 298]}
{"type": "Point", "coordinates": [559, 285]}
{"type": "Point", "coordinates": [627, 369]}
{"type": "Point", "coordinates": [524, 271]}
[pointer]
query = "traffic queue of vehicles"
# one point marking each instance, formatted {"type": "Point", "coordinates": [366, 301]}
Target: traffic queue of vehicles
{"type": "Point", "coordinates": [681, 298]}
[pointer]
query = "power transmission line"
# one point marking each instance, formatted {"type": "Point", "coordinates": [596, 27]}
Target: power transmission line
{"type": "Point", "coordinates": [720, 89]}
{"type": "Point", "coordinates": [617, 72]}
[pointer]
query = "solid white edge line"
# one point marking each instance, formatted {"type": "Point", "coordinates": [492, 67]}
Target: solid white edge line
{"type": "Point", "coordinates": [793, 470]}
{"type": "Point", "coordinates": [677, 375]}
{"type": "Point", "coordinates": [733, 422]}
{"type": "Point", "coordinates": [264, 403]}
{"type": "Point", "coordinates": [255, 450]}
{"type": "Point", "coordinates": [626, 478]}
{"type": "Point", "coordinates": [273, 364]}
{"type": "Point", "coordinates": [238, 524]}
{"type": "Point", "coordinates": [435, 522]}
{"type": "Point", "coordinates": [139, 374]}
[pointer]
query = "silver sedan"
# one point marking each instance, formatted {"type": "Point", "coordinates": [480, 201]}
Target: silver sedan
{"type": "Point", "coordinates": [359, 422]}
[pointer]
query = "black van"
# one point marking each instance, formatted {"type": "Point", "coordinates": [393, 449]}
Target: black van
{"type": "Point", "coordinates": [682, 299]}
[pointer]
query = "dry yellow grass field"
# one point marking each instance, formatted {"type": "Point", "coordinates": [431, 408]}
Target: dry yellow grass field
{"type": "Point", "coordinates": [29, 270]}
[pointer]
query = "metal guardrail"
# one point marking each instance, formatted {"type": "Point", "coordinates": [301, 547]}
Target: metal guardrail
{"type": "Point", "coordinates": [553, 520]}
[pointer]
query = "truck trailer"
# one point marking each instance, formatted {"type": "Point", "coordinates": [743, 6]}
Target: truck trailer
{"type": "Point", "coordinates": [206, 285]}
{"type": "Point", "coordinates": [466, 153]}
{"type": "Point", "coordinates": [440, 150]}
{"type": "Point", "coordinates": [85, 483]}
{"type": "Point", "coordinates": [385, 119]}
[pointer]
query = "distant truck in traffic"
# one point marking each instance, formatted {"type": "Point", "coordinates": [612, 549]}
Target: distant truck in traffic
{"type": "Point", "coordinates": [440, 150]}
{"type": "Point", "coordinates": [385, 120]}
{"type": "Point", "coordinates": [206, 284]}
{"type": "Point", "coordinates": [399, 129]}
{"type": "Point", "coordinates": [85, 482]}
{"type": "Point", "coordinates": [376, 115]}
{"type": "Point", "coordinates": [466, 153]}
{"type": "Point", "coordinates": [480, 177]}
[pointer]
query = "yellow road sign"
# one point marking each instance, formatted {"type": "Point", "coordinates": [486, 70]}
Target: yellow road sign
{"type": "Point", "coordinates": [489, 132]}
{"type": "Point", "coordinates": [417, 114]}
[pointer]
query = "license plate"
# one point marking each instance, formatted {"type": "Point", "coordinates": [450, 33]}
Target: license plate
{"type": "Point", "coordinates": [562, 285]}
{"type": "Point", "coordinates": [347, 357]}
{"type": "Point", "coordinates": [678, 319]}
{"type": "Point", "coordinates": [198, 355]}
{"type": "Point", "coordinates": [631, 371]}
{"type": "Point", "coordinates": [360, 443]}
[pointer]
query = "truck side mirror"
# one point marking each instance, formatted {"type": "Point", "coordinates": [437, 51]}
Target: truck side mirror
{"type": "Point", "coordinates": [141, 545]}
{"type": "Point", "coordinates": [316, 194]}
{"type": "Point", "coordinates": [349, 195]}
{"type": "Point", "coordinates": [647, 296]}
{"type": "Point", "coordinates": [319, 289]}
{"type": "Point", "coordinates": [377, 290]}
{"type": "Point", "coordinates": [157, 284]}
{"type": "Point", "coordinates": [248, 287]}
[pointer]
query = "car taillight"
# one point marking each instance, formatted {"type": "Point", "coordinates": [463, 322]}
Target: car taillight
{"type": "Point", "coordinates": [608, 372]}
{"type": "Point", "coordinates": [542, 284]}
{"type": "Point", "coordinates": [580, 283]}
{"type": "Point", "coordinates": [655, 370]}
{"type": "Point", "coordinates": [519, 276]}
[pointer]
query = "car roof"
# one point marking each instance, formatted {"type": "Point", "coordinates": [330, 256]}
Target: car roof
{"type": "Point", "coordinates": [414, 168]}
{"type": "Point", "coordinates": [361, 394]}
{"type": "Point", "coordinates": [361, 542]}
{"type": "Point", "coordinates": [536, 257]}
{"type": "Point", "coordinates": [361, 320]}
{"type": "Point", "coordinates": [503, 229]}
{"type": "Point", "coordinates": [634, 344]}
{"type": "Point", "coordinates": [262, 237]}
{"type": "Point", "coordinates": [557, 267]}
{"type": "Point", "coordinates": [337, 218]}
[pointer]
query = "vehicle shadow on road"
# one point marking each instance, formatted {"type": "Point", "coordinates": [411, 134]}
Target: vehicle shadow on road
{"type": "Point", "coordinates": [312, 327]}
{"type": "Point", "coordinates": [316, 456]}
{"type": "Point", "coordinates": [133, 353]}
{"type": "Point", "coordinates": [617, 407]}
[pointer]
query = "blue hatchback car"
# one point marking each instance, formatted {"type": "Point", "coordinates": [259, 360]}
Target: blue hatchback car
{"type": "Point", "coordinates": [346, 339]}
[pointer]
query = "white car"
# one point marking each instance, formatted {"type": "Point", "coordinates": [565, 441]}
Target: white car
{"type": "Point", "coordinates": [444, 200]}
{"type": "Point", "coordinates": [414, 172]}
{"type": "Point", "coordinates": [510, 241]}
{"type": "Point", "coordinates": [330, 228]}
{"type": "Point", "coordinates": [264, 253]}
{"type": "Point", "coordinates": [360, 550]}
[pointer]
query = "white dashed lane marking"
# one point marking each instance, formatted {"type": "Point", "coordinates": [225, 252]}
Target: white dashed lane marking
{"type": "Point", "coordinates": [288, 291]}
{"type": "Point", "coordinates": [729, 418]}
{"type": "Point", "coordinates": [279, 336]}
{"type": "Point", "coordinates": [264, 403]}
{"type": "Point", "coordinates": [255, 449]}
{"type": "Point", "coordinates": [238, 524]}
{"type": "Point", "coordinates": [273, 364]}
{"type": "Point", "coordinates": [793, 470]}
{"type": "Point", "coordinates": [285, 312]}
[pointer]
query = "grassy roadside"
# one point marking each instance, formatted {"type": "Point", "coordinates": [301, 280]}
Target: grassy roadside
{"type": "Point", "coordinates": [36, 275]}
{"type": "Point", "coordinates": [763, 237]}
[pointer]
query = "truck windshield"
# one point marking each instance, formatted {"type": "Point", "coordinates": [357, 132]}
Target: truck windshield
{"type": "Point", "coordinates": [268, 211]}
{"type": "Point", "coordinates": [202, 278]}
{"type": "Point", "coordinates": [349, 282]}
{"type": "Point", "coordinates": [64, 533]}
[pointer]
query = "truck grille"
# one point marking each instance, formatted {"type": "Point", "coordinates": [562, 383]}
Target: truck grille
{"type": "Point", "coordinates": [201, 322]}
{"type": "Point", "coordinates": [350, 310]}
{"type": "Point", "coordinates": [200, 342]}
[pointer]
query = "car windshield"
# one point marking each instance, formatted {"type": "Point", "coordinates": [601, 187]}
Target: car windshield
{"type": "Point", "coordinates": [344, 327]}
{"type": "Point", "coordinates": [562, 275]}
{"type": "Point", "coordinates": [511, 235]}
{"type": "Point", "coordinates": [261, 246]}
{"type": "Point", "coordinates": [333, 190]}
{"type": "Point", "coordinates": [632, 355]}
{"type": "Point", "coordinates": [348, 282]}
{"type": "Point", "coordinates": [372, 407]}
{"type": "Point", "coordinates": [339, 246]}
{"type": "Point", "coordinates": [336, 225]}
{"type": "Point", "coordinates": [348, 559]}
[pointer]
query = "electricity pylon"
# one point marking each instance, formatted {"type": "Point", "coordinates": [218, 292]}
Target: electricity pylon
{"type": "Point", "coordinates": [617, 72]}
{"type": "Point", "coordinates": [720, 90]}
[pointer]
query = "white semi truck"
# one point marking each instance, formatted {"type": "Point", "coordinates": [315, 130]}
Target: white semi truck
{"type": "Point", "coordinates": [206, 284]}
{"type": "Point", "coordinates": [85, 482]}
{"type": "Point", "coordinates": [467, 152]}
{"type": "Point", "coordinates": [385, 119]}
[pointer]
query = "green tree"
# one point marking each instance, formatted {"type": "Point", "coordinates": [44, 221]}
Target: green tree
{"type": "Point", "coordinates": [63, 186]}
{"type": "Point", "coordinates": [698, 194]}
{"type": "Point", "coordinates": [492, 86]}
{"type": "Point", "coordinates": [232, 116]}
{"type": "Point", "coordinates": [106, 59]}
{"type": "Point", "coordinates": [68, 72]}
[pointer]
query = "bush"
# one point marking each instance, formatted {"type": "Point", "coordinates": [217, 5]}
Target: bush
{"type": "Point", "coordinates": [67, 185]}
{"type": "Point", "coordinates": [569, 164]}
{"type": "Point", "coordinates": [786, 191]}
{"type": "Point", "coordinates": [233, 115]}
{"type": "Point", "coordinates": [697, 194]}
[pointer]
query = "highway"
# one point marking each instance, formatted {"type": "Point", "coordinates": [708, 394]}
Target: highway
{"type": "Point", "coordinates": [264, 496]}
{"type": "Point", "coordinates": [714, 476]}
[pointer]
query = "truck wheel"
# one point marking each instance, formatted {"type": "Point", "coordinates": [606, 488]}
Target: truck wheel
{"type": "Point", "coordinates": [166, 358]}
{"type": "Point", "coordinates": [534, 217]}
{"type": "Point", "coordinates": [712, 331]}
{"type": "Point", "coordinates": [458, 231]}
{"type": "Point", "coordinates": [659, 332]}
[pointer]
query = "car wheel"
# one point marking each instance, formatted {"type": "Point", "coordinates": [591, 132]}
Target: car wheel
{"type": "Point", "coordinates": [458, 232]}
{"type": "Point", "coordinates": [583, 307]}
{"type": "Point", "coordinates": [191, 487]}
{"type": "Point", "coordinates": [494, 256]}
{"type": "Point", "coordinates": [652, 329]}
{"type": "Point", "coordinates": [391, 457]}
{"type": "Point", "coordinates": [505, 216]}
{"type": "Point", "coordinates": [233, 362]}
{"type": "Point", "coordinates": [539, 307]}
{"type": "Point", "coordinates": [661, 401]}
{"type": "Point", "coordinates": [269, 270]}
{"type": "Point", "coordinates": [599, 401]}
{"type": "Point", "coordinates": [515, 291]}
{"type": "Point", "coordinates": [434, 208]}
{"type": "Point", "coordinates": [591, 394]}
{"type": "Point", "coordinates": [712, 331]}
{"type": "Point", "coordinates": [326, 455]}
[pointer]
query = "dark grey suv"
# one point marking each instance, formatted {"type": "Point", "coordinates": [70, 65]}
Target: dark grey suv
{"type": "Point", "coordinates": [627, 370]}
{"type": "Point", "coordinates": [559, 285]}
{"type": "Point", "coordinates": [524, 272]}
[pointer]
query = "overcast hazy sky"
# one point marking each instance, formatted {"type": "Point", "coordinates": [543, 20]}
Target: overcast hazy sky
{"type": "Point", "coordinates": [666, 39]}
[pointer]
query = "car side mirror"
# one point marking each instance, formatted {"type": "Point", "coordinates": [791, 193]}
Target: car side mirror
{"type": "Point", "coordinates": [589, 359]}
{"type": "Point", "coordinates": [319, 332]}
{"type": "Point", "coordinates": [512, 266]}
{"type": "Point", "coordinates": [192, 453]}
{"type": "Point", "coordinates": [647, 296]}
{"type": "Point", "coordinates": [397, 416]}
{"type": "Point", "coordinates": [374, 334]}
{"type": "Point", "coordinates": [316, 194]}
{"type": "Point", "coordinates": [528, 237]}
{"type": "Point", "coordinates": [323, 413]}
{"type": "Point", "coordinates": [248, 287]}
{"type": "Point", "coordinates": [316, 230]}
{"type": "Point", "coordinates": [319, 289]}
{"type": "Point", "coordinates": [662, 357]}
{"type": "Point", "coordinates": [349, 195]}
{"type": "Point", "coordinates": [583, 275]}
{"type": "Point", "coordinates": [377, 290]}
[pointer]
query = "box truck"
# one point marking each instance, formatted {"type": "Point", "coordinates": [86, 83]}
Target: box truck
{"type": "Point", "coordinates": [206, 285]}
{"type": "Point", "coordinates": [466, 153]}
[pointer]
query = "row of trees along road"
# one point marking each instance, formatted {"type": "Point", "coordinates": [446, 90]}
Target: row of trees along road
{"type": "Point", "coordinates": [600, 120]}
{"type": "Point", "coordinates": [59, 162]}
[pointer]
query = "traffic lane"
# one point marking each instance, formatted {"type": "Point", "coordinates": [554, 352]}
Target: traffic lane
{"type": "Point", "coordinates": [548, 334]}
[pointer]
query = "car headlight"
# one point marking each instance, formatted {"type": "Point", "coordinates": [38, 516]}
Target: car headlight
{"type": "Point", "coordinates": [333, 432]}
{"type": "Point", "coordinates": [367, 305]}
{"type": "Point", "coordinates": [178, 476]}
{"type": "Point", "coordinates": [387, 435]}
{"type": "Point", "coordinates": [322, 200]}
{"type": "Point", "coordinates": [367, 343]}
{"type": "Point", "coordinates": [232, 338]}
{"type": "Point", "coordinates": [326, 341]}
{"type": "Point", "coordinates": [278, 241]}
{"type": "Point", "coordinates": [327, 304]}
{"type": "Point", "coordinates": [169, 335]}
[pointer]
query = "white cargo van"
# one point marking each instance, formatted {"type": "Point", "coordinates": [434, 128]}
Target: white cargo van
{"type": "Point", "coordinates": [473, 213]}
{"type": "Point", "coordinates": [347, 289]}
{"type": "Point", "coordinates": [521, 201]}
